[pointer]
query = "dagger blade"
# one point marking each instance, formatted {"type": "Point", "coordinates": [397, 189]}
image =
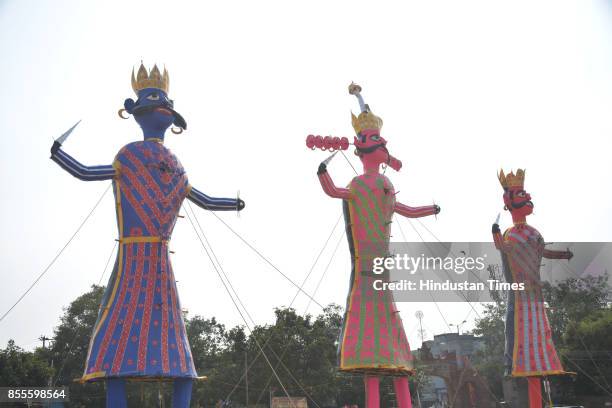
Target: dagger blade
{"type": "Point", "coordinates": [67, 133]}
{"type": "Point", "coordinates": [326, 161]}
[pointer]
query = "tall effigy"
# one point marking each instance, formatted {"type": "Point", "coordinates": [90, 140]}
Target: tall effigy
{"type": "Point", "coordinates": [373, 341]}
{"type": "Point", "coordinates": [140, 332]}
{"type": "Point", "coordinates": [529, 349]}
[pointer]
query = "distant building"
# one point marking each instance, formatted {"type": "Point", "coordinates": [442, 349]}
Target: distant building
{"type": "Point", "coordinates": [452, 381]}
{"type": "Point", "coordinates": [462, 345]}
{"type": "Point", "coordinates": [435, 393]}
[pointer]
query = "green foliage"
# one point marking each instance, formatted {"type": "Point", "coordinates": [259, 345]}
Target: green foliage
{"type": "Point", "coordinates": [69, 349]}
{"type": "Point", "coordinates": [64, 360]}
{"type": "Point", "coordinates": [587, 350]}
{"type": "Point", "coordinates": [18, 367]}
{"type": "Point", "coordinates": [305, 345]}
{"type": "Point", "coordinates": [582, 330]}
{"type": "Point", "coordinates": [572, 300]}
{"type": "Point", "coordinates": [490, 361]}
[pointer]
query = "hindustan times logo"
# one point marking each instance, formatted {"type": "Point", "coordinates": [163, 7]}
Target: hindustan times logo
{"type": "Point", "coordinates": [411, 264]}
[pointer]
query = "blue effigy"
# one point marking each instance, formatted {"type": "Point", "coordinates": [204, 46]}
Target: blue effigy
{"type": "Point", "coordinates": [140, 333]}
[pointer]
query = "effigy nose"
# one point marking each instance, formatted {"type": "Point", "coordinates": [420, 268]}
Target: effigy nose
{"type": "Point", "coordinates": [394, 163]}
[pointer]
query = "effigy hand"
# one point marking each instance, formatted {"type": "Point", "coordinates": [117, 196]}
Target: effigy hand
{"type": "Point", "coordinates": [322, 168]}
{"type": "Point", "coordinates": [495, 229]}
{"type": "Point", "coordinates": [56, 146]}
{"type": "Point", "coordinates": [240, 204]}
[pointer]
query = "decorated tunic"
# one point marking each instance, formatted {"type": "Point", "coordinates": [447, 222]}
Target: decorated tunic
{"type": "Point", "coordinates": [529, 347]}
{"type": "Point", "coordinates": [140, 329]}
{"type": "Point", "coordinates": [373, 337]}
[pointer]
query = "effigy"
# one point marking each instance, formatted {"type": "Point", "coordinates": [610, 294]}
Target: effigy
{"type": "Point", "coordinates": [140, 332]}
{"type": "Point", "coordinates": [529, 348]}
{"type": "Point", "coordinates": [373, 341]}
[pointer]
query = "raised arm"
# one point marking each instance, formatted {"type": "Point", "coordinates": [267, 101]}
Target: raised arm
{"type": "Point", "coordinates": [500, 243]}
{"type": "Point", "coordinates": [78, 170]}
{"type": "Point", "coordinates": [328, 184]}
{"type": "Point", "coordinates": [416, 212]}
{"type": "Point", "coordinates": [214, 204]}
{"type": "Point", "coordinates": [555, 254]}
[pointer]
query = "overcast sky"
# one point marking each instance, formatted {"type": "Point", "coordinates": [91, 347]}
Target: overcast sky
{"type": "Point", "coordinates": [464, 88]}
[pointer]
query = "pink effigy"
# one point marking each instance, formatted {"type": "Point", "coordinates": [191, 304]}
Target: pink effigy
{"type": "Point", "coordinates": [373, 340]}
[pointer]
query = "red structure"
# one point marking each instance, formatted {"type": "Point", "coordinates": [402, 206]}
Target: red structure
{"type": "Point", "coordinates": [530, 351]}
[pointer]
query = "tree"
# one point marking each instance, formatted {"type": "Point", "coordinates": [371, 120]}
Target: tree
{"type": "Point", "coordinates": [19, 367]}
{"type": "Point", "coordinates": [572, 300]}
{"type": "Point", "coordinates": [489, 362]}
{"type": "Point", "coordinates": [69, 349]}
{"type": "Point", "coordinates": [587, 350]}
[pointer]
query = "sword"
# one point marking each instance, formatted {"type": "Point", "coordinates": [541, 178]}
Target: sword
{"type": "Point", "coordinates": [355, 89]}
{"type": "Point", "coordinates": [67, 133]}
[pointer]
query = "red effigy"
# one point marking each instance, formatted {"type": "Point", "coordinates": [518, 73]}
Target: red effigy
{"type": "Point", "coordinates": [530, 351]}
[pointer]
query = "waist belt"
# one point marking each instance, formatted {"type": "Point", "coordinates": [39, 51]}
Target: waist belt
{"type": "Point", "coordinates": [140, 239]}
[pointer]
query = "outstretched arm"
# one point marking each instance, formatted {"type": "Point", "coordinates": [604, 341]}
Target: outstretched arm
{"type": "Point", "coordinates": [416, 212]}
{"type": "Point", "coordinates": [328, 184]}
{"type": "Point", "coordinates": [554, 254]}
{"type": "Point", "coordinates": [214, 204]}
{"type": "Point", "coordinates": [78, 170]}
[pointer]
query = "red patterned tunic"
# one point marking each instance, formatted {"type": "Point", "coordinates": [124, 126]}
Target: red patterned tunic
{"type": "Point", "coordinates": [529, 347]}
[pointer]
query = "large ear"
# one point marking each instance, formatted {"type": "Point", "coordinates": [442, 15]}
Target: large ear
{"type": "Point", "coordinates": [129, 104]}
{"type": "Point", "coordinates": [179, 121]}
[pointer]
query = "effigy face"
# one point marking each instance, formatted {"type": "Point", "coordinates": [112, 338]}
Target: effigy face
{"type": "Point", "coordinates": [371, 143]}
{"type": "Point", "coordinates": [519, 201]}
{"type": "Point", "coordinates": [153, 109]}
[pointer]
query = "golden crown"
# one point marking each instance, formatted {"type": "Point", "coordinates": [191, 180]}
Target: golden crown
{"type": "Point", "coordinates": [152, 79]}
{"type": "Point", "coordinates": [512, 180]}
{"type": "Point", "coordinates": [366, 120]}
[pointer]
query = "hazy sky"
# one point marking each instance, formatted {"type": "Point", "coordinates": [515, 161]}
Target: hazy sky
{"type": "Point", "coordinates": [464, 88]}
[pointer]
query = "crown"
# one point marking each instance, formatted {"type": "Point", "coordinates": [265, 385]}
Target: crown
{"type": "Point", "coordinates": [152, 79]}
{"type": "Point", "coordinates": [512, 180]}
{"type": "Point", "coordinates": [366, 120]}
